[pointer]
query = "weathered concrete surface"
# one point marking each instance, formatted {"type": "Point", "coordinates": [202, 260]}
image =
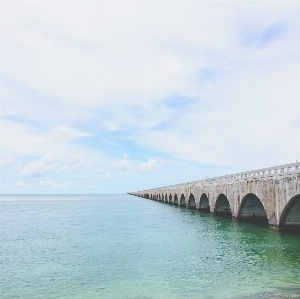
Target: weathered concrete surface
{"type": "Point", "coordinates": [272, 194]}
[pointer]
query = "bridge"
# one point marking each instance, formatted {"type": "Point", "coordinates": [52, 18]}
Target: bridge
{"type": "Point", "coordinates": [268, 194]}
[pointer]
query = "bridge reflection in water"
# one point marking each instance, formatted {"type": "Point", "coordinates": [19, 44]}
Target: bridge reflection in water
{"type": "Point", "coordinates": [269, 194]}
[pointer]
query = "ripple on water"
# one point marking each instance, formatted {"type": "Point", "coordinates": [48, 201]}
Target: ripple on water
{"type": "Point", "coordinates": [291, 293]}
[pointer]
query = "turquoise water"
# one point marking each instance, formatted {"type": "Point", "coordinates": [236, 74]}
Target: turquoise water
{"type": "Point", "coordinates": [121, 246]}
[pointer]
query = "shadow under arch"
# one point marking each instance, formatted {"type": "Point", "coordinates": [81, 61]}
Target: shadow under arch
{"type": "Point", "coordinates": [160, 197]}
{"type": "Point", "coordinates": [175, 200]}
{"type": "Point", "coordinates": [204, 203]}
{"type": "Point", "coordinates": [191, 202]}
{"type": "Point", "coordinates": [166, 198]}
{"type": "Point", "coordinates": [252, 209]}
{"type": "Point", "coordinates": [222, 206]}
{"type": "Point", "coordinates": [290, 217]}
{"type": "Point", "coordinates": [182, 201]}
{"type": "Point", "coordinates": [170, 199]}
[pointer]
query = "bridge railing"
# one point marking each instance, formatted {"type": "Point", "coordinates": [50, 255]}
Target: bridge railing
{"type": "Point", "coordinates": [258, 173]}
{"type": "Point", "coordinates": [253, 174]}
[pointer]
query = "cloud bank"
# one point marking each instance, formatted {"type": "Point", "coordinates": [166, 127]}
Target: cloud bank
{"type": "Point", "coordinates": [206, 88]}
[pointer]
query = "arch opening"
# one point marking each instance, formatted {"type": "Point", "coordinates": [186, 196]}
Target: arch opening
{"type": "Point", "coordinates": [175, 200]}
{"type": "Point", "coordinates": [170, 199]}
{"type": "Point", "coordinates": [290, 218]}
{"type": "Point", "coordinates": [222, 206]}
{"type": "Point", "coordinates": [204, 203]}
{"type": "Point", "coordinates": [252, 209]}
{"type": "Point", "coordinates": [166, 198]}
{"type": "Point", "coordinates": [160, 197]}
{"type": "Point", "coordinates": [191, 202]}
{"type": "Point", "coordinates": [182, 201]}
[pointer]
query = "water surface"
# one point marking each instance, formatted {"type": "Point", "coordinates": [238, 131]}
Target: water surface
{"type": "Point", "coordinates": [121, 246]}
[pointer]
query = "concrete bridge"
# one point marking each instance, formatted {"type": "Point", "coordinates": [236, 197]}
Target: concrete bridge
{"type": "Point", "coordinates": [269, 194]}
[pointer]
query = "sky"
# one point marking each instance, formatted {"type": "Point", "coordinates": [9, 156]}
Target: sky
{"type": "Point", "coordinates": [113, 97]}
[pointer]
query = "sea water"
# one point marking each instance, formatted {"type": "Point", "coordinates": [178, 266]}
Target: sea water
{"type": "Point", "coordinates": [121, 246]}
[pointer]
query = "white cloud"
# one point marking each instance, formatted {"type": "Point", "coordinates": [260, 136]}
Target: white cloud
{"type": "Point", "coordinates": [122, 165]}
{"type": "Point", "coordinates": [80, 175]}
{"type": "Point", "coordinates": [51, 157]}
{"type": "Point", "coordinates": [46, 183]}
{"type": "Point", "coordinates": [91, 186]}
{"type": "Point", "coordinates": [6, 159]}
{"type": "Point", "coordinates": [100, 170]}
{"type": "Point", "coordinates": [21, 184]}
{"type": "Point", "coordinates": [70, 133]}
{"type": "Point", "coordinates": [95, 70]}
{"type": "Point", "coordinates": [110, 126]}
{"type": "Point", "coordinates": [50, 183]}
{"type": "Point", "coordinates": [64, 168]}
{"type": "Point", "coordinates": [51, 162]}
{"type": "Point", "coordinates": [36, 142]}
{"type": "Point", "coordinates": [42, 167]}
{"type": "Point", "coordinates": [150, 166]}
{"type": "Point", "coordinates": [107, 175]}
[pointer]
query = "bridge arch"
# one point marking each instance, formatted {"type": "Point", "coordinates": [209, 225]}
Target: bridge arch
{"type": "Point", "coordinates": [222, 206]}
{"type": "Point", "coordinates": [182, 200]}
{"type": "Point", "coordinates": [204, 203]}
{"type": "Point", "coordinates": [166, 198]}
{"type": "Point", "coordinates": [191, 202]}
{"type": "Point", "coordinates": [251, 208]}
{"type": "Point", "coordinates": [290, 217]}
{"type": "Point", "coordinates": [175, 200]}
{"type": "Point", "coordinates": [170, 199]}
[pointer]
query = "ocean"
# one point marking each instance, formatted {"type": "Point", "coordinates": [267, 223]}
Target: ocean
{"type": "Point", "coordinates": [121, 246]}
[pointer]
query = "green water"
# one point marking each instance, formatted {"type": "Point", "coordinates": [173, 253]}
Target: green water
{"type": "Point", "coordinates": [120, 246]}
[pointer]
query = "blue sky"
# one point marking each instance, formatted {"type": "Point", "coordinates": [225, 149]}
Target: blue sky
{"type": "Point", "coordinates": [110, 97]}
